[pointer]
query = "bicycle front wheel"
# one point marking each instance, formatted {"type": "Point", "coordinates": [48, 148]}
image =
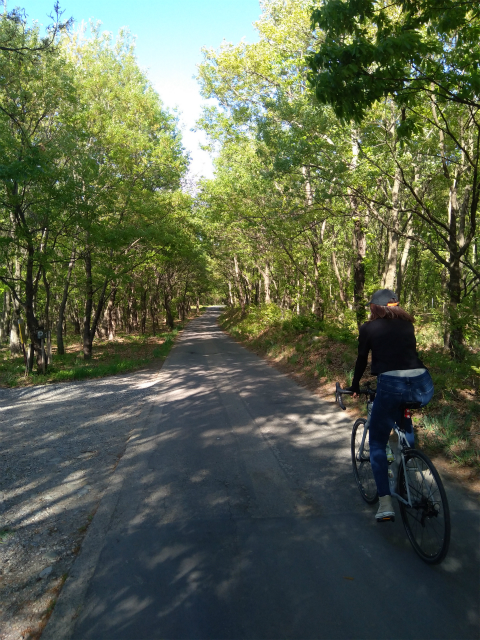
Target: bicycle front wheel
{"type": "Point", "coordinates": [362, 469]}
{"type": "Point", "coordinates": [427, 520]}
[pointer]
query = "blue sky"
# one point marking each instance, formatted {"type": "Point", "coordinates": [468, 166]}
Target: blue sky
{"type": "Point", "coordinates": [170, 35]}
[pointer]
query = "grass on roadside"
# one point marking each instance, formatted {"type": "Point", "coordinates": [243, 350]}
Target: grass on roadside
{"type": "Point", "coordinates": [127, 352]}
{"type": "Point", "coordinates": [321, 353]}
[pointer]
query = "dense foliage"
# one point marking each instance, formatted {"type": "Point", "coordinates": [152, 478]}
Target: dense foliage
{"type": "Point", "coordinates": [95, 225]}
{"type": "Point", "coordinates": [346, 143]}
{"type": "Point", "coordinates": [347, 149]}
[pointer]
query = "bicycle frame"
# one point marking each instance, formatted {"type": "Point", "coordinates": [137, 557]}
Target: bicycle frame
{"type": "Point", "coordinates": [369, 410]}
{"type": "Point", "coordinates": [402, 445]}
{"type": "Point", "coordinates": [402, 440]}
{"type": "Point", "coordinates": [423, 495]}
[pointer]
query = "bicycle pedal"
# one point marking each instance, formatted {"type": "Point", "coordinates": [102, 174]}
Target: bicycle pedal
{"type": "Point", "coordinates": [388, 519]}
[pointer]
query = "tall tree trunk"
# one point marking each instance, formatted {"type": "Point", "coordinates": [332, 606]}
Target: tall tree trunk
{"type": "Point", "coordinates": [359, 270]}
{"type": "Point", "coordinates": [111, 315]}
{"type": "Point", "coordinates": [63, 304]}
{"type": "Point", "coordinates": [31, 318]}
{"type": "Point", "coordinates": [30, 280]}
{"type": "Point", "coordinates": [403, 265]}
{"type": "Point", "coordinates": [246, 288]}
{"type": "Point", "coordinates": [46, 284]}
{"type": "Point", "coordinates": [143, 302]}
{"type": "Point", "coordinates": [132, 323]}
{"type": "Point", "coordinates": [456, 220]}
{"type": "Point", "coordinates": [168, 310]}
{"type": "Point", "coordinates": [153, 313]}
{"type": "Point", "coordinates": [360, 244]}
{"type": "Point", "coordinates": [15, 344]}
{"type": "Point", "coordinates": [297, 306]}
{"type": "Point", "coordinates": [390, 271]}
{"type": "Point", "coordinates": [184, 301]}
{"type": "Point", "coordinates": [4, 321]}
{"type": "Point", "coordinates": [316, 241]}
{"type": "Point", "coordinates": [129, 315]}
{"type": "Point", "coordinates": [256, 294]}
{"type": "Point", "coordinates": [266, 282]}
{"type": "Point", "coordinates": [102, 327]}
{"type": "Point", "coordinates": [239, 284]}
{"type": "Point", "coordinates": [87, 335]}
{"type": "Point", "coordinates": [455, 337]}
{"type": "Point", "coordinates": [318, 302]}
{"type": "Point", "coordinates": [456, 240]}
{"type": "Point", "coordinates": [341, 290]}
{"type": "Point", "coordinates": [89, 326]}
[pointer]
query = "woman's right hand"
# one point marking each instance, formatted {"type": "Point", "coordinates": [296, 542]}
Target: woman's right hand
{"type": "Point", "coordinates": [355, 393]}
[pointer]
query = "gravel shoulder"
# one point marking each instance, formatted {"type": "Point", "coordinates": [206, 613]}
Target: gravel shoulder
{"type": "Point", "coordinates": [59, 447]}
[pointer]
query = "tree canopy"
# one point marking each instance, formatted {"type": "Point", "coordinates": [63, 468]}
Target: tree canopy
{"type": "Point", "coordinates": [93, 213]}
{"type": "Point", "coordinates": [369, 180]}
{"type": "Point", "coordinates": [370, 50]}
{"type": "Point", "coordinates": [346, 147]}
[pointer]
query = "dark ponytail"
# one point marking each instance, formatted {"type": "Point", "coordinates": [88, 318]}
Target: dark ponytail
{"type": "Point", "coordinates": [390, 313]}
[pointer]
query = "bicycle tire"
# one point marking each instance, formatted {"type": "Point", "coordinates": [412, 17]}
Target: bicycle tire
{"type": "Point", "coordinates": [427, 521]}
{"type": "Point", "coordinates": [362, 469]}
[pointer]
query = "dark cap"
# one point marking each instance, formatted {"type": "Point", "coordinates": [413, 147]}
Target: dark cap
{"type": "Point", "coordinates": [383, 296]}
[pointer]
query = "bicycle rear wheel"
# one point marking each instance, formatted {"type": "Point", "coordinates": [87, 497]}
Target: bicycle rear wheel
{"type": "Point", "coordinates": [427, 521]}
{"type": "Point", "coordinates": [362, 469]}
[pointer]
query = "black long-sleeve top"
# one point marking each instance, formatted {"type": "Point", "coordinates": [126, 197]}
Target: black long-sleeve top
{"type": "Point", "coordinates": [393, 346]}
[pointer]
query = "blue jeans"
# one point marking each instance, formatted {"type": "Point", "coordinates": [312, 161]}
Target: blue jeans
{"type": "Point", "coordinates": [392, 393]}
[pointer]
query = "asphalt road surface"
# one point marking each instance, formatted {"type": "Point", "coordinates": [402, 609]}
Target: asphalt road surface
{"type": "Point", "coordinates": [236, 515]}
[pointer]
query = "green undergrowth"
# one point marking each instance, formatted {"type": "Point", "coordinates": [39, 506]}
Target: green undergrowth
{"type": "Point", "coordinates": [322, 353]}
{"type": "Point", "coordinates": [128, 352]}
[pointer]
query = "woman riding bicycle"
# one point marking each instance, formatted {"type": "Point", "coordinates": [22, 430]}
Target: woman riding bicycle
{"type": "Point", "coordinates": [401, 378]}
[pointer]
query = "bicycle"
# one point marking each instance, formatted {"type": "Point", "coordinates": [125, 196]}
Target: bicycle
{"type": "Point", "coordinates": [417, 485]}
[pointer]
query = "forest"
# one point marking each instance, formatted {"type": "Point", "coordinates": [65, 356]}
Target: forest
{"type": "Point", "coordinates": [96, 231]}
{"type": "Point", "coordinates": [346, 148]}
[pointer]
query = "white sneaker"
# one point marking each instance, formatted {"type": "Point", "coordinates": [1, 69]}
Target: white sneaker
{"type": "Point", "coordinates": [385, 509]}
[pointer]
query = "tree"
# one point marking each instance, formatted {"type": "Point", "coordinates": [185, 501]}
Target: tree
{"type": "Point", "coordinates": [424, 56]}
{"type": "Point", "coordinates": [14, 24]}
{"type": "Point", "coordinates": [131, 162]}
{"type": "Point", "coordinates": [371, 50]}
{"type": "Point", "coordinates": [34, 182]}
{"type": "Point", "coordinates": [91, 168]}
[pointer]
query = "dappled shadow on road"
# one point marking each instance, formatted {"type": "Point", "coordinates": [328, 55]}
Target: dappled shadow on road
{"type": "Point", "coordinates": [239, 518]}
{"type": "Point", "coordinates": [55, 436]}
{"type": "Point", "coordinates": [59, 446]}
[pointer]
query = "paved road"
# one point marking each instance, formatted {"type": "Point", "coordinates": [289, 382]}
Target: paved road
{"type": "Point", "coordinates": [238, 517]}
